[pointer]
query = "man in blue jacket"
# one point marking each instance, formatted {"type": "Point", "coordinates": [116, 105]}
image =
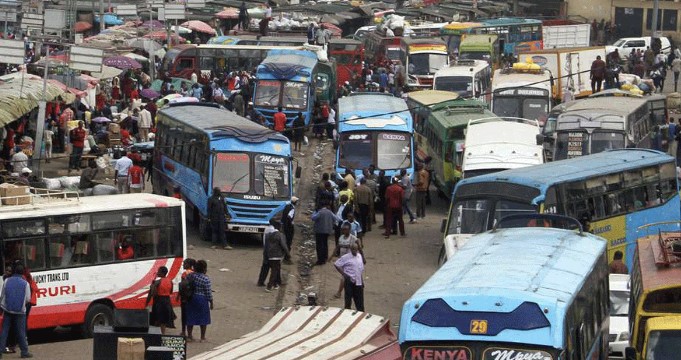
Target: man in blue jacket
{"type": "Point", "coordinates": [16, 293]}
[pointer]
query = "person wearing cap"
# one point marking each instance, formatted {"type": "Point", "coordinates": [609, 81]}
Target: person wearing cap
{"type": "Point", "coordinates": [24, 175]}
{"type": "Point", "coordinates": [287, 216]}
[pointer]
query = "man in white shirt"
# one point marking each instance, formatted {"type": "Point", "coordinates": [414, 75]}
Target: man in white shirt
{"type": "Point", "coordinates": [144, 123]}
{"type": "Point", "coordinates": [121, 171]}
{"type": "Point", "coordinates": [331, 123]}
{"type": "Point", "coordinates": [351, 266]}
{"type": "Point", "coordinates": [19, 160]}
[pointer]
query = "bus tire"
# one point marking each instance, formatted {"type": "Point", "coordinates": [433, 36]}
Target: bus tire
{"type": "Point", "coordinates": [96, 315]}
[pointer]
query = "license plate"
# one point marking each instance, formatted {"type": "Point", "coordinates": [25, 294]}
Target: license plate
{"type": "Point", "coordinates": [251, 229]}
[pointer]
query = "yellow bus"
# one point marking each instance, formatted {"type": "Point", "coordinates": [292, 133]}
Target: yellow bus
{"type": "Point", "coordinates": [655, 300]}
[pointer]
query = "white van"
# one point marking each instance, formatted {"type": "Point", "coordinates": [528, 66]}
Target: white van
{"type": "Point", "coordinates": [468, 78]}
{"type": "Point", "coordinates": [625, 45]}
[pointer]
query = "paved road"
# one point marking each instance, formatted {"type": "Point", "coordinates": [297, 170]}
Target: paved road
{"type": "Point", "coordinates": [395, 269]}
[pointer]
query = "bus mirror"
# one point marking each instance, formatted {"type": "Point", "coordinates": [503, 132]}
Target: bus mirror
{"type": "Point", "coordinates": [540, 139]}
{"type": "Point", "coordinates": [299, 171]}
{"type": "Point", "coordinates": [443, 225]}
{"type": "Point", "coordinates": [630, 353]}
{"type": "Point", "coordinates": [551, 80]}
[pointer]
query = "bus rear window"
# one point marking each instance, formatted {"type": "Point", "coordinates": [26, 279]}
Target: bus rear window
{"type": "Point", "coordinates": [232, 172]}
{"type": "Point", "coordinates": [665, 301]}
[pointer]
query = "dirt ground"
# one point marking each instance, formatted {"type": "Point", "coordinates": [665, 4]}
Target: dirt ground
{"type": "Point", "coordinates": [395, 269]}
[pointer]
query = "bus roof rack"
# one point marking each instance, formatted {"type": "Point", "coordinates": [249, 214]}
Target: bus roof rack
{"type": "Point", "coordinates": [38, 197]}
{"type": "Point", "coordinates": [667, 248]}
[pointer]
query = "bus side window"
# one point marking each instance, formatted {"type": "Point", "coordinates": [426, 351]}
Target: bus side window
{"type": "Point", "coordinates": [34, 253]}
{"type": "Point", "coordinates": [82, 250]}
{"type": "Point", "coordinates": [185, 63]}
{"type": "Point", "coordinates": [104, 244]}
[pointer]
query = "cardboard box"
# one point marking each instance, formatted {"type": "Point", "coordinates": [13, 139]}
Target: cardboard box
{"type": "Point", "coordinates": [114, 128]}
{"type": "Point", "coordinates": [14, 195]}
{"type": "Point", "coordinates": [130, 349]}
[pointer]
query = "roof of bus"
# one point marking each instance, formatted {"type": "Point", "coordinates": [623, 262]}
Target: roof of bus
{"type": "Point", "coordinates": [518, 79]}
{"type": "Point", "coordinates": [220, 123]}
{"type": "Point", "coordinates": [495, 272]}
{"type": "Point", "coordinates": [654, 277]}
{"type": "Point", "coordinates": [431, 97]}
{"type": "Point", "coordinates": [458, 113]}
{"type": "Point", "coordinates": [613, 104]}
{"type": "Point", "coordinates": [416, 41]}
{"type": "Point", "coordinates": [460, 26]}
{"type": "Point", "coordinates": [298, 58]}
{"type": "Point", "coordinates": [369, 108]}
{"type": "Point", "coordinates": [583, 167]}
{"type": "Point", "coordinates": [509, 21]}
{"type": "Point", "coordinates": [664, 323]}
{"type": "Point", "coordinates": [258, 47]}
{"type": "Point", "coordinates": [479, 39]}
{"type": "Point", "coordinates": [463, 67]}
{"type": "Point", "coordinates": [87, 204]}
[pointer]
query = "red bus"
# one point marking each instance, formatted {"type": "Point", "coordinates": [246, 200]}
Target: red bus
{"type": "Point", "coordinates": [349, 57]}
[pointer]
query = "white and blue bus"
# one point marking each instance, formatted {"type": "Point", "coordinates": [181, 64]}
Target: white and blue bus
{"type": "Point", "coordinates": [514, 293]}
{"type": "Point", "coordinates": [200, 147]}
{"type": "Point", "coordinates": [374, 129]}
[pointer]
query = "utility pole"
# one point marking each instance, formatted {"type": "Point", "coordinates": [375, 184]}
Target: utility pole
{"type": "Point", "coordinates": [40, 121]}
{"type": "Point", "coordinates": [656, 9]}
{"type": "Point", "coordinates": [101, 15]}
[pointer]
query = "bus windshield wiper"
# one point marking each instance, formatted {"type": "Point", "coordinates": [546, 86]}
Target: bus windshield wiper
{"type": "Point", "coordinates": [234, 184]}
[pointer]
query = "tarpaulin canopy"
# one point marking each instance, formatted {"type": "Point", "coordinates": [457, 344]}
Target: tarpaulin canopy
{"type": "Point", "coordinates": [17, 100]}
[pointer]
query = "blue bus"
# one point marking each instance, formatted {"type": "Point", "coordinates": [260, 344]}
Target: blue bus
{"type": "Point", "coordinates": [286, 78]}
{"type": "Point", "coordinates": [612, 192]}
{"type": "Point", "coordinates": [515, 293]}
{"type": "Point", "coordinates": [374, 128]}
{"type": "Point", "coordinates": [199, 147]}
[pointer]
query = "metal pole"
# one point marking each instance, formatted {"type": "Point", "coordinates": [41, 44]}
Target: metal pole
{"type": "Point", "coordinates": [656, 9]}
{"type": "Point", "coordinates": [149, 50]}
{"type": "Point", "coordinates": [101, 15]}
{"type": "Point", "coordinates": [40, 121]}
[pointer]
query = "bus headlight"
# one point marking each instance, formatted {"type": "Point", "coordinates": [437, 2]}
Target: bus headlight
{"type": "Point", "coordinates": [624, 336]}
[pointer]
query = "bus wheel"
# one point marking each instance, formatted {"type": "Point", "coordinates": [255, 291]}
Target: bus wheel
{"type": "Point", "coordinates": [204, 229]}
{"type": "Point", "coordinates": [97, 315]}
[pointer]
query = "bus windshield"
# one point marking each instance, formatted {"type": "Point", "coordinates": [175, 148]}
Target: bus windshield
{"type": "Point", "coordinates": [295, 95]}
{"type": "Point", "coordinates": [356, 151]}
{"type": "Point", "coordinates": [272, 178]}
{"type": "Point", "coordinates": [525, 107]}
{"type": "Point", "coordinates": [426, 64]}
{"type": "Point", "coordinates": [463, 85]}
{"type": "Point", "coordinates": [232, 173]}
{"type": "Point", "coordinates": [571, 144]}
{"type": "Point", "coordinates": [475, 55]}
{"type": "Point", "coordinates": [472, 216]}
{"type": "Point", "coordinates": [394, 150]}
{"type": "Point", "coordinates": [602, 141]}
{"type": "Point", "coordinates": [267, 93]}
{"type": "Point", "coordinates": [663, 344]}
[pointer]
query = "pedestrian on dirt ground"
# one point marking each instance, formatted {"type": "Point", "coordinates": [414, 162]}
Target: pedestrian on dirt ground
{"type": "Point", "coordinates": [217, 211]}
{"type": "Point", "coordinates": [351, 266]}
{"type": "Point", "coordinates": [298, 131]}
{"type": "Point", "coordinates": [421, 187]}
{"type": "Point", "coordinates": [325, 195]}
{"type": "Point", "coordinates": [287, 226]}
{"type": "Point", "coordinates": [344, 209]}
{"type": "Point", "coordinates": [324, 220]}
{"type": "Point", "coordinates": [161, 314]}
{"type": "Point", "coordinates": [364, 198]}
{"type": "Point", "coordinates": [676, 69]}
{"type": "Point", "coordinates": [346, 240]}
{"type": "Point", "coordinates": [279, 120]}
{"type": "Point", "coordinates": [265, 267]}
{"type": "Point", "coordinates": [188, 266]}
{"type": "Point", "coordinates": [16, 294]}
{"type": "Point", "coordinates": [275, 246]}
{"type": "Point", "coordinates": [201, 303]}
{"type": "Point", "coordinates": [394, 200]}
{"type": "Point", "coordinates": [405, 183]}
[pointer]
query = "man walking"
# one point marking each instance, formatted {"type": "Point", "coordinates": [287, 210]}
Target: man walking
{"type": "Point", "coordinates": [16, 293]}
{"type": "Point", "coordinates": [405, 182]}
{"type": "Point", "coordinates": [324, 220]}
{"type": "Point", "coordinates": [351, 266]}
{"type": "Point", "coordinates": [288, 214]}
{"type": "Point", "coordinates": [597, 74]}
{"type": "Point", "coordinates": [676, 68]}
{"type": "Point", "coordinates": [144, 124]}
{"type": "Point", "coordinates": [121, 169]}
{"type": "Point", "coordinates": [364, 197]}
{"type": "Point", "coordinates": [394, 195]}
{"type": "Point", "coordinates": [77, 137]}
{"type": "Point", "coordinates": [421, 187]}
{"type": "Point", "coordinates": [217, 212]}
{"type": "Point", "coordinates": [279, 120]}
{"type": "Point", "coordinates": [275, 247]}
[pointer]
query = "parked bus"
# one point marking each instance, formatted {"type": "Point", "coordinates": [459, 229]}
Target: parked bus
{"type": "Point", "coordinates": [497, 299]}
{"type": "Point", "coordinates": [374, 128]}
{"type": "Point", "coordinates": [613, 192]}
{"type": "Point", "coordinates": [522, 93]}
{"type": "Point", "coordinates": [293, 80]}
{"type": "Point", "coordinates": [75, 250]}
{"type": "Point", "coordinates": [258, 40]}
{"type": "Point", "coordinates": [199, 147]}
{"type": "Point", "coordinates": [655, 293]}
{"type": "Point", "coordinates": [467, 78]}
{"type": "Point", "coordinates": [495, 144]}
{"type": "Point", "coordinates": [480, 47]}
{"type": "Point", "coordinates": [380, 48]}
{"type": "Point", "coordinates": [515, 34]}
{"type": "Point", "coordinates": [421, 58]}
{"type": "Point", "coordinates": [349, 57]}
{"type": "Point", "coordinates": [440, 121]}
{"type": "Point", "coordinates": [184, 60]}
{"type": "Point", "coordinates": [601, 123]}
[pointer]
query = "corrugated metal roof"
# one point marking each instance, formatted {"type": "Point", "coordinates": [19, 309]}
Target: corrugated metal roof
{"type": "Point", "coordinates": [18, 98]}
{"type": "Point", "coordinates": [313, 332]}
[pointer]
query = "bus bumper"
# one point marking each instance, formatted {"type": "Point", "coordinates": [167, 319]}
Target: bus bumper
{"type": "Point", "coordinates": [245, 228]}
